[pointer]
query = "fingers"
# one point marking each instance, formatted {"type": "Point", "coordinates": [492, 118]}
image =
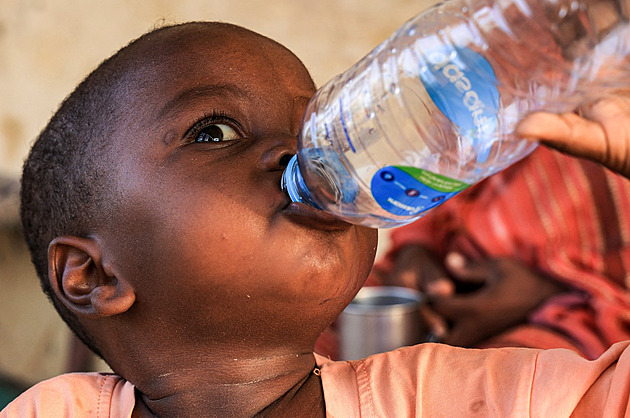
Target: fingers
{"type": "Point", "coordinates": [601, 133]}
{"type": "Point", "coordinates": [416, 268]}
{"type": "Point", "coordinates": [439, 287]}
{"type": "Point", "coordinates": [510, 292]}
{"type": "Point", "coordinates": [435, 324]}
{"type": "Point", "coordinates": [464, 271]}
{"type": "Point", "coordinates": [566, 132]}
{"type": "Point", "coordinates": [614, 116]}
{"type": "Point", "coordinates": [462, 310]}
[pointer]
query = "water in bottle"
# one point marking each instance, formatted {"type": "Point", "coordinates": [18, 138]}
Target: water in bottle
{"type": "Point", "coordinates": [431, 111]}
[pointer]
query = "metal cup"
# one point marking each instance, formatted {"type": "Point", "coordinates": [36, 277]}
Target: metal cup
{"type": "Point", "coordinates": [379, 319]}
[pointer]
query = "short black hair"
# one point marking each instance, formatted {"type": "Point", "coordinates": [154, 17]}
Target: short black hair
{"type": "Point", "coordinates": [65, 186]}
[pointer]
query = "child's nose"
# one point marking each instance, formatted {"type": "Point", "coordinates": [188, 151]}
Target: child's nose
{"type": "Point", "coordinates": [279, 152]}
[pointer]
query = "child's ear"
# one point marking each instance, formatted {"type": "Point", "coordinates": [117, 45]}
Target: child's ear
{"type": "Point", "coordinates": [82, 282]}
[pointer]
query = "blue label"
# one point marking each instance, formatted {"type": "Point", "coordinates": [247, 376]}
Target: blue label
{"type": "Point", "coordinates": [463, 85]}
{"type": "Point", "coordinates": [408, 191]}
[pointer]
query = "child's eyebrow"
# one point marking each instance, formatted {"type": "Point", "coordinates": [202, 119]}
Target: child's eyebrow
{"type": "Point", "coordinates": [212, 90]}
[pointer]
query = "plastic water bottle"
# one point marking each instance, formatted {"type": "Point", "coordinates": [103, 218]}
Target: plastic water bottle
{"type": "Point", "coordinates": [431, 110]}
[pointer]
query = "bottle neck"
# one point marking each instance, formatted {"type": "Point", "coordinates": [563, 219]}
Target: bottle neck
{"type": "Point", "coordinates": [292, 184]}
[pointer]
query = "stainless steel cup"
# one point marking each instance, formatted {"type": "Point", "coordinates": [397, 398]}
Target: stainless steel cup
{"type": "Point", "coordinates": [379, 319]}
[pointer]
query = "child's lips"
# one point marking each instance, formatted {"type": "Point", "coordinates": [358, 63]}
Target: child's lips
{"type": "Point", "coordinates": [312, 217]}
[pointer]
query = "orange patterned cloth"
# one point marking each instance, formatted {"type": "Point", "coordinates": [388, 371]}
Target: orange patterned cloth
{"type": "Point", "coordinates": [566, 218]}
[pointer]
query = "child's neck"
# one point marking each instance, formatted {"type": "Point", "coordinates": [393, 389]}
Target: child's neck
{"type": "Point", "coordinates": [268, 386]}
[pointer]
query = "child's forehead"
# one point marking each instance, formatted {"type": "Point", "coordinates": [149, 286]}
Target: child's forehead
{"type": "Point", "coordinates": [212, 43]}
{"type": "Point", "coordinates": [219, 51]}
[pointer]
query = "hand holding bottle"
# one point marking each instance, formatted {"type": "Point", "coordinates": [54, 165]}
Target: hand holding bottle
{"type": "Point", "coordinates": [599, 131]}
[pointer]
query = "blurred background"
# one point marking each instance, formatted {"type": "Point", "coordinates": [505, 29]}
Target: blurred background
{"type": "Point", "coordinates": [48, 46]}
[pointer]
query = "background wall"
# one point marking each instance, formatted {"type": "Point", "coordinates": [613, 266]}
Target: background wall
{"type": "Point", "coordinates": [48, 46]}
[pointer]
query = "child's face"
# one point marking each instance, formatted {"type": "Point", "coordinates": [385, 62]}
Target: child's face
{"type": "Point", "coordinates": [204, 232]}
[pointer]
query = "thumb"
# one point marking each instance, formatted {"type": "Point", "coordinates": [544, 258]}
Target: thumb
{"type": "Point", "coordinates": [566, 132]}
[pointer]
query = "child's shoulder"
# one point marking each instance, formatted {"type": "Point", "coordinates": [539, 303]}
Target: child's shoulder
{"type": "Point", "coordinates": [75, 394]}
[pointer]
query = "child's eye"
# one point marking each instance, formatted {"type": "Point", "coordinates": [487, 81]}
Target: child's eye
{"type": "Point", "coordinates": [214, 127]}
{"type": "Point", "coordinates": [216, 132]}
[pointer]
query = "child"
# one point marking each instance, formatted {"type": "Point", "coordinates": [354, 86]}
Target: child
{"type": "Point", "coordinates": [152, 206]}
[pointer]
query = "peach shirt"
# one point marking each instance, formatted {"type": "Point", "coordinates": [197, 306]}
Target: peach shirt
{"type": "Point", "coordinates": [434, 380]}
{"type": "Point", "coordinates": [430, 380]}
{"type": "Point", "coordinates": [76, 395]}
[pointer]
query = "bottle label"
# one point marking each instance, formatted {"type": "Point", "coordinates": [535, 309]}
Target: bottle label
{"type": "Point", "coordinates": [463, 85]}
{"type": "Point", "coordinates": [408, 191]}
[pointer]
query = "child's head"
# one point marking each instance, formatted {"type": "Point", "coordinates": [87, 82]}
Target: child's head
{"type": "Point", "coordinates": [152, 206]}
